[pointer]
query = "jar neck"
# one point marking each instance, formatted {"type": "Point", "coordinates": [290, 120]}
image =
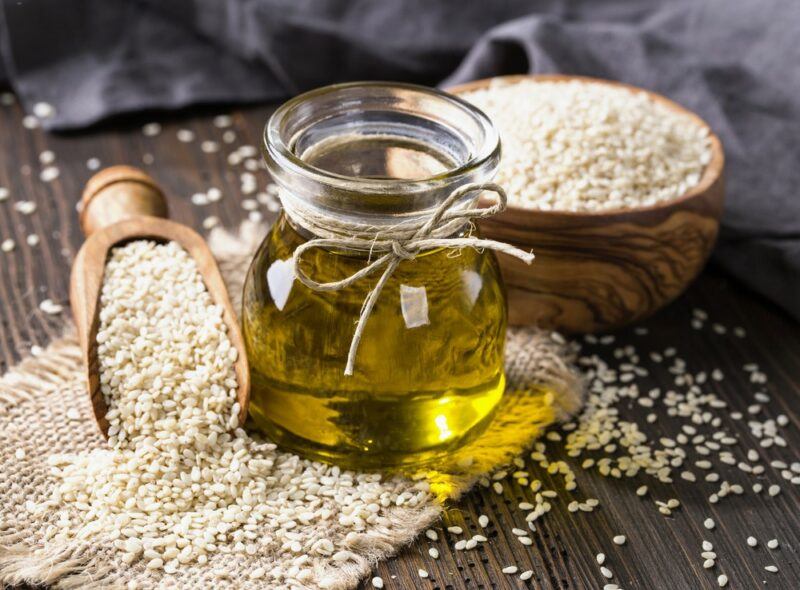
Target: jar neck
{"type": "Point", "coordinates": [375, 155]}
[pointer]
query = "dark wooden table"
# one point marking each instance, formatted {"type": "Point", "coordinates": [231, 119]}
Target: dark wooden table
{"type": "Point", "coordinates": [660, 553]}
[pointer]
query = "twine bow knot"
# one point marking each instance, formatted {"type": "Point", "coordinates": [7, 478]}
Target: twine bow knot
{"type": "Point", "coordinates": [403, 242]}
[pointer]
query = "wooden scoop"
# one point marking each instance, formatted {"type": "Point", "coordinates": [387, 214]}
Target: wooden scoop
{"type": "Point", "coordinates": [120, 204]}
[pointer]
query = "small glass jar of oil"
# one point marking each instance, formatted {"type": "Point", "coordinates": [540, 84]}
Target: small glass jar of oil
{"type": "Point", "coordinates": [429, 367]}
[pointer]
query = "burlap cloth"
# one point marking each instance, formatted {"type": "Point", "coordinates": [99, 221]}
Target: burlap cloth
{"type": "Point", "coordinates": [39, 398]}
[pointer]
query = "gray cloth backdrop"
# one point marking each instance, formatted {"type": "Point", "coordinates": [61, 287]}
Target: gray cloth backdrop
{"type": "Point", "coordinates": [735, 62]}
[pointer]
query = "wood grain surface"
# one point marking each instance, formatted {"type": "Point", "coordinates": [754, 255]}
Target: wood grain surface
{"type": "Point", "coordinates": [661, 553]}
{"type": "Point", "coordinates": [601, 270]}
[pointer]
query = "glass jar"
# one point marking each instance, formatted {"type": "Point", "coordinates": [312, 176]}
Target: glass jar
{"type": "Point", "coordinates": [428, 370]}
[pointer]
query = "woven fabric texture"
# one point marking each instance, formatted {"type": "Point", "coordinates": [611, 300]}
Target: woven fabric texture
{"type": "Point", "coordinates": [44, 410]}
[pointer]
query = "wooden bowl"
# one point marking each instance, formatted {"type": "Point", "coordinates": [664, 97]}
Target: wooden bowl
{"type": "Point", "coordinates": [597, 271]}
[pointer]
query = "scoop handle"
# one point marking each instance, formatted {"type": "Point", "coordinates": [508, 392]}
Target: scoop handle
{"type": "Point", "coordinates": [117, 193]}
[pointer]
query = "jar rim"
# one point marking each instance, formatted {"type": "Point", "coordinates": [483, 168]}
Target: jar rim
{"type": "Point", "coordinates": [277, 149]}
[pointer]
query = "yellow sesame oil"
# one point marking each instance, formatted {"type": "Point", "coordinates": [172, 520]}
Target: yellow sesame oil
{"type": "Point", "coordinates": [429, 368]}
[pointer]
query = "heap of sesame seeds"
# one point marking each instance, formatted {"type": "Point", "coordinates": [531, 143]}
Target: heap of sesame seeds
{"type": "Point", "coordinates": [580, 146]}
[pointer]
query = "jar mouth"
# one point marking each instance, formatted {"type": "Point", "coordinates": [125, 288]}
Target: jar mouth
{"type": "Point", "coordinates": [450, 143]}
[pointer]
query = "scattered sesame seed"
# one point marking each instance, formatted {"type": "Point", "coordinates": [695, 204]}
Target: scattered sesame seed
{"type": "Point", "coordinates": [510, 569]}
{"type": "Point", "coordinates": [752, 541]}
{"type": "Point", "coordinates": [432, 535]}
{"type": "Point", "coordinates": [151, 129]}
{"type": "Point", "coordinates": [526, 575]}
{"type": "Point", "coordinates": [772, 543]}
{"type": "Point", "coordinates": [483, 521]}
{"type": "Point", "coordinates": [25, 207]}
{"type": "Point", "coordinates": [377, 582]}
{"type": "Point", "coordinates": [456, 530]}
{"type": "Point", "coordinates": [43, 110]}
{"type": "Point", "coordinates": [709, 563]}
{"type": "Point", "coordinates": [7, 245]}
{"type": "Point", "coordinates": [709, 523]}
{"type": "Point", "coordinates": [774, 490]}
{"type": "Point", "coordinates": [185, 135]}
{"type": "Point", "coordinates": [30, 122]}
{"type": "Point", "coordinates": [606, 573]}
{"type": "Point", "coordinates": [222, 121]}
{"type": "Point", "coordinates": [32, 240]}
{"type": "Point", "coordinates": [601, 558]}
{"type": "Point", "coordinates": [422, 573]}
{"type": "Point", "coordinates": [722, 580]}
{"type": "Point", "coordinates": [619, 540]}
{"type": "Point", "coordinates": [93, 163]}
{"type": "Point", "coordinates": [50, 307]}
{"type": "Point", "coordinates": [433, 552]}
{"type": "Point", "coordinates": [771, 568]}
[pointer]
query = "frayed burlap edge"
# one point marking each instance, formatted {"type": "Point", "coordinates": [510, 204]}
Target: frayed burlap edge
{"type": "Point", "coordinates": [76, 567]}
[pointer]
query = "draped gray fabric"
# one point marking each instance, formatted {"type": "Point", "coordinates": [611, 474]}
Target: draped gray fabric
{"type": "Point", "coordinates": [735, 62]}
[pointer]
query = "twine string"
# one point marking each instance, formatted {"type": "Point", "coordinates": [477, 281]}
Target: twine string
{"type": "Point", "coordinates": [397, 243]}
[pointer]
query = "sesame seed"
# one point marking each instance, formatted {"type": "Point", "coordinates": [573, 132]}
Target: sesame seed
{"type": "Point", "coordinates": [483, 521]}
{"type": "Point", "coordinates": [432, 535]}
{"type": "Point", "coordinates": [526, 575]}
{"type": "Point", "coordinates": [422, 573]}
{"type": "Point", "coordinates": [43, 110]}
{"type": "Point", "coordinates": [456, 530]}
{"type": "Point", "coordinates": [519, 532]}
{"type": "Point", "coordinates": [185, 135]}
{"type": "Point", "coordinates": [377, 582]}
{"type": "Point", "coordinates": [774, 490]}
{"type": "Point", "coordinates": [709, 563]}
{"type": "Point", "coordinates": [510, 569]}
{"type": "Point", "coordinates": [30, 122]}
{"type": "Point", "coordinates": [49, 174]}
{"type": "Point", "coordinates": [433, 552]}
{"type": "Point", "coordinates": [752, 541]}
{"type": "Point", "coordinates": [709, 523]}
{"type": "Point", "coordinates": [619, 540]}
{"type": "Point", "coordinates": [601, 558]}
{"type": "Point", "coordinates": [151, 129]}
{"type": "Point", "coordinates": [772, 543]}
{"type": "Point", "coordinates": [606, 573]}
{"type": "Point", "coordinates": [722, 580]}
{"type": "Point", "coordinates": [48, 306]}
{"type": "Point", "coordinates": [771, 568]}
